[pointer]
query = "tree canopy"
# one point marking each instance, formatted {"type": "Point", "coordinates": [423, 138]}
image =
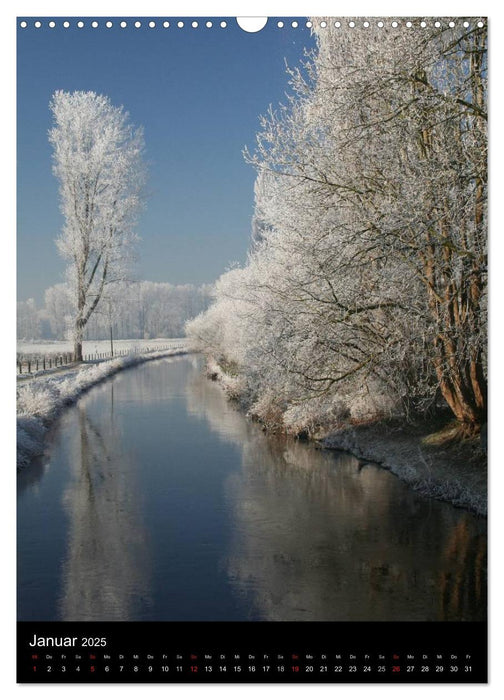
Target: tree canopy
{"type": "Point", "coordinates": [365, 287]}
{"type": "Point", "coordinates": [98, 159]}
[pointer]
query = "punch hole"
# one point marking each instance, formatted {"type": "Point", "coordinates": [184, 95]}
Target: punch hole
{"type": "Point", "coordinates": [250, 24]}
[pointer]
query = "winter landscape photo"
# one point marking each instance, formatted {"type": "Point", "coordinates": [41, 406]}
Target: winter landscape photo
{"type": "Point", "coordinates": [252, 320]}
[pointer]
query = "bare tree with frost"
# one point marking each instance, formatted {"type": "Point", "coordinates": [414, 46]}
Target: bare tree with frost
{"type": "Point", "coordinates": [368, 280]}
{"type": "Point", "coordinates": [98, 161]}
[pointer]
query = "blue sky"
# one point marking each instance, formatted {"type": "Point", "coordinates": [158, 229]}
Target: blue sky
{"type": "Point", "coordinates": [198, 94]}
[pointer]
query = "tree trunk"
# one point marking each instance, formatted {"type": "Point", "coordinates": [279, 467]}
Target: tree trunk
{"type": "Point", "coordinates": [79, 329]}
{"type": "Point", "coordinates": [463, 387]}
{"type": "Point", "coordinates": [78, 351]}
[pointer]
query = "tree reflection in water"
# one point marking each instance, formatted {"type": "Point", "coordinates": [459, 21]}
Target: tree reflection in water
{"type": "Point", "coordinates": [316, 536]}
{"type": "Point", "coordinates": [163, 502]}
{"type": "Point", "coordinates": [105, 573]}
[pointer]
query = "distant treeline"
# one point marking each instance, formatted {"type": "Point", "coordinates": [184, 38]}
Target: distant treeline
{"type": "Point", "coordinates": [140, 310]}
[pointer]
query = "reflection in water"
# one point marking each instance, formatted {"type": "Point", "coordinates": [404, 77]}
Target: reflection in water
{"type": "Point", "coordinates": [318, 537]}
{"type": "Point", "coordinates": [105, 572]}
{"type": "Point", "coordinates": [463, 584]}
{"type": "Point", "coordinates": [158, 500]}
{"type": "Point", "coordinates": [28, 478]}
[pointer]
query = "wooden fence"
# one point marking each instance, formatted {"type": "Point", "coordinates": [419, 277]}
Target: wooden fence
{"type": "Point", "coordinates": [36, 363]}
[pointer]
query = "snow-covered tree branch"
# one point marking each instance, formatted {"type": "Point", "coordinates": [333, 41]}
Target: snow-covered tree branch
{"type": "Point", "coordinates": [366, 280]}
{"type": "Point", "coordinates": [98, 161]}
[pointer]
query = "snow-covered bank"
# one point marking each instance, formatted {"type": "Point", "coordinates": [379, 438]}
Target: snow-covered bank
{"type": "Point", "coordinates": [454, 472]}
{"type": "Point", "coordinates": [93, 347]}
{"type": "Point", "coordinates": [41, 400]}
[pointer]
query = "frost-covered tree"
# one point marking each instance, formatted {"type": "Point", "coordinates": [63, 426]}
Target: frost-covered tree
{"type": "Point", "coordinates": [366, 282]}
{"type": "Point", "coordinates": [98, 161]}
{"type": "Point", "coordinates": [411, 127]}
{"type": "Point", "coordinates": [28, 322]}
{"type": "Point", "coordinates": [59, 309]}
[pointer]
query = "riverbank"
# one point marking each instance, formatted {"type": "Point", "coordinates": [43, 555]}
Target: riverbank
{"type": "Point", "coordinates": [41, 400]}
{"type": "Point", "coordinates": [455, 472]}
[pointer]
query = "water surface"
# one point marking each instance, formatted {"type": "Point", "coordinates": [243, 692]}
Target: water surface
{"type": "Point", "coordinates": [158, 500]}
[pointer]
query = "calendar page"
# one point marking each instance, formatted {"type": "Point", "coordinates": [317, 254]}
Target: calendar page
{"type": "Point", "coordinates": [252, 349]}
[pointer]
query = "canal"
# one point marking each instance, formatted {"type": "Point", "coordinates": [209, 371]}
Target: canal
{"type": "Point", "coordinates": [157, 499]}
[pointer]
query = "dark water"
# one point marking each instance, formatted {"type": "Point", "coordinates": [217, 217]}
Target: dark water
{"type": "Point", "coordinates": [158, 500]}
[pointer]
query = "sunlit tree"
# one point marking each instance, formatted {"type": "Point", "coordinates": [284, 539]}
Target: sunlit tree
{"type": "Point", "coordinates": [366, 281]}
{"type": "Point", "coordinates": [98, 161]}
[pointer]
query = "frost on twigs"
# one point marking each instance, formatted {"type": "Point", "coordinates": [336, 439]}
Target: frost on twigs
{"type": "Point", "coordinates": [98, 160]}
{"type": "Point", "coordinates": [364, 291]}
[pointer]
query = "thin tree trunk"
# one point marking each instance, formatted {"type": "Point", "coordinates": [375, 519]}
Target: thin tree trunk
{"type": "Point", "coordinates": [78, 349]}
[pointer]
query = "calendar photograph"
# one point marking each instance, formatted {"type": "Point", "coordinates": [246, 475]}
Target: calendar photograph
{"type": "Point", "coordinates": [252, 349]}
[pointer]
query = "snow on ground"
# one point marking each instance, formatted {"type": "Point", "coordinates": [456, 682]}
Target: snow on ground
{"type": "Point", "coordinates": [91, 347]}
{"type": "Point", "coordinates": [41, 399]}
{"type": "Point", "coordinates": [166, 344]}
{"type": "Point", "coordinates": [453, 472]}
